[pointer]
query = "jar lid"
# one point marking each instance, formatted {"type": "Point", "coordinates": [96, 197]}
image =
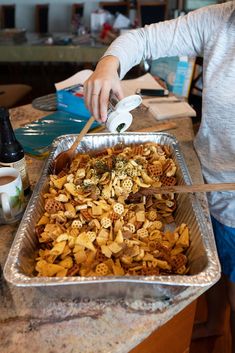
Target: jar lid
{"type": "Point", "coordinates": [119, 121]}
{"type": "Point", "coordinates": [129, 103]}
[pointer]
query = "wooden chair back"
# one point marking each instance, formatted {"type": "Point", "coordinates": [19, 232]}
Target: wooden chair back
{"type": "Point", "coordinates": [41, 18]}
{"type": "Point", "coordinates": [7, 16]}
{"type": "Point", "coordinates": [115, 6]}
{"type": "Point", "coordinates": [78, 9]}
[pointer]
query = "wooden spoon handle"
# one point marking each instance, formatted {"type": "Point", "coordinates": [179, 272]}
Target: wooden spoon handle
{"type": "Point", "coordinates": [193, 188]}
{"type": "Point", "coordinates": [159, 127]}
{"type": "Point", "coordinates": [154, 128]}
{"type": "Point", "coordinates": [82, 134]}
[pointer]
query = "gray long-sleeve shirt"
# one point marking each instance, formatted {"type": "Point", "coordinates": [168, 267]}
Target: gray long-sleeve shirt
{"type": "Point", "coordinates": [209, 32]}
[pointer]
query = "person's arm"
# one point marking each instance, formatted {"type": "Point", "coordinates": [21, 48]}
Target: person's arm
{"type": "Point", "coordinates": [97, 88]}
{"type": "Point", "coordinates": [184, 36]}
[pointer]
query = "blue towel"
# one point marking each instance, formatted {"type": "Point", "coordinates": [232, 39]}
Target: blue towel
{"type": "Point", "coordinates": [36, 137]}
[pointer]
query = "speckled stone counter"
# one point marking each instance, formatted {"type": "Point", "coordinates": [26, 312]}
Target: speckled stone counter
{"type": "Point", "coordinates": [31, 321]}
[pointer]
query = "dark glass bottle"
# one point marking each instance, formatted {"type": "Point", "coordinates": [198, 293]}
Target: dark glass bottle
{"type": "Point", "coordinates": [11, 151]}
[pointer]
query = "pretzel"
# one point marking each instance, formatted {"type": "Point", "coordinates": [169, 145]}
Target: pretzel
{"type": "Point", "coordinates": [155, 169]}
{"type": "Point", "coordinates": [178, 261]}
{"type": "Point", "coordinates": [100, 257]}
{"type": "Point", "coordinates": [53, 206]}
{"type": "Point", "coordinates": [114, 216]}
{"type": "Point", "coordinates": [138, 150]}
{"type": "Point", "coordinates": [149, 271]}
{"type": "Point", "coordinates": [86, 214]}
{"type": "Point", "coordinates": [39, 230]}
{"type": "Point", "coordinates": [73, 271]}
{"type": "Point", "coordinates": [118, 149]}
{"type": "Point", "coordinates": [167, 150]}
{"type": "Point", "coordinates": [168, 181]}
{"type": "Point", "coordinates": [166, 165]}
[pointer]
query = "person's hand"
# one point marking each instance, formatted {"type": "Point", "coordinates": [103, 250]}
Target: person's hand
{"type": "Point", "coordinates": [99, 85]}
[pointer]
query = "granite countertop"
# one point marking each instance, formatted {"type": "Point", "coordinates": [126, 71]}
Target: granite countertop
{"type": "Point", "coordinates": [31, 321]}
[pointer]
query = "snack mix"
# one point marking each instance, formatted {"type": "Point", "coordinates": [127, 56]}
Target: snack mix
{"type": "Point", "coordinates": [102, 217]}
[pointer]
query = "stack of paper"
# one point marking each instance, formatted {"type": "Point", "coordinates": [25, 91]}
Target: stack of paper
{"type": "Point", "coordinates": [160, 107]}
{"type": "Point", "coordinates": [169, 108]}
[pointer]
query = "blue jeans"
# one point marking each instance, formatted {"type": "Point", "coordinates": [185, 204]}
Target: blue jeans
{"type": "Point", "coordinates": [225, 242]}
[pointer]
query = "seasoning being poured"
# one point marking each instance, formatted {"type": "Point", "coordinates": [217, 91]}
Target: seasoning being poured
{"type": "Point", "coordinates": [119, 116]}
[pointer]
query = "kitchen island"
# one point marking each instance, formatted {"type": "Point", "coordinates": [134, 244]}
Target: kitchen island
{"type": "Point", "coordinates": [33, 321]}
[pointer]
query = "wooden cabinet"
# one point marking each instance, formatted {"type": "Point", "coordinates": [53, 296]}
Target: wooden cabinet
{"type": "Point", "coordinates": [173, 337]}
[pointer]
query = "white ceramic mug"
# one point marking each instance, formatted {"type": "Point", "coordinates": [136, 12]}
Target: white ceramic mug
{"type": "Point", "coordinates": [12, 202]}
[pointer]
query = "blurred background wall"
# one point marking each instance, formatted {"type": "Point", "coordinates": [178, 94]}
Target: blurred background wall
{"type": "Point", "coordinates": [59, 12]}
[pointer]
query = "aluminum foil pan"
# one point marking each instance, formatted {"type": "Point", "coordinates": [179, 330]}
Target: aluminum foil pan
{"type": "Point", "coordinates": [202, 255]}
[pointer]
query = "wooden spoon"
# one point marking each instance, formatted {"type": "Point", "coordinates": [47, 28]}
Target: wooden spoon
{"type": "Point", "coordinates": [179, 189]}
{"type": "Point", "coordinates": [65, 157]}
